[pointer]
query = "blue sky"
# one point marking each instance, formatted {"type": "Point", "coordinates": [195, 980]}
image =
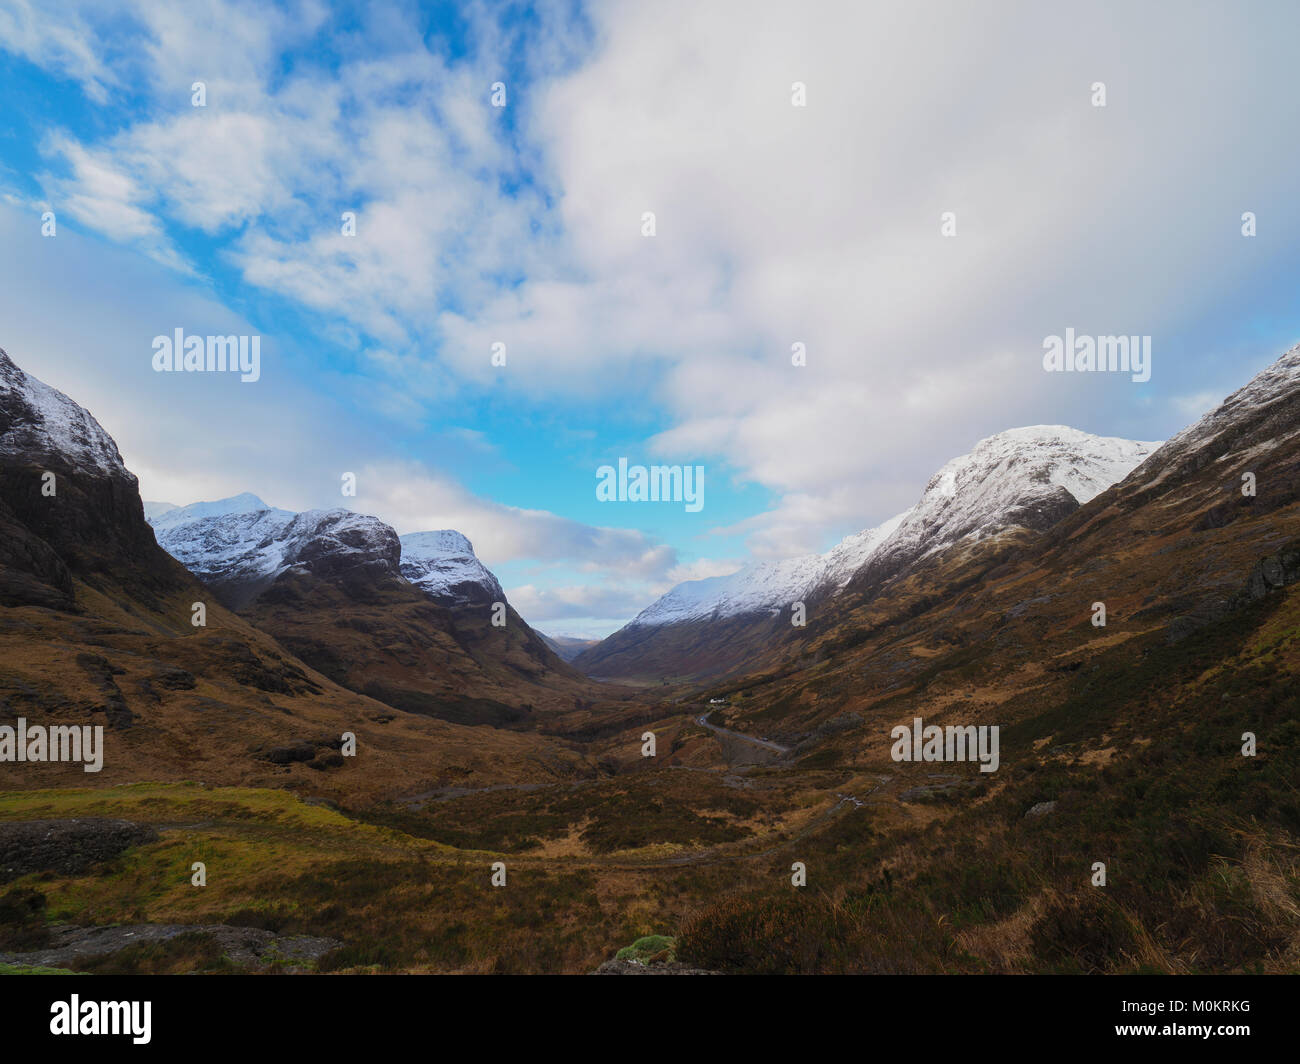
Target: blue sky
{"type": "Point", "coordinates": [522, 225]}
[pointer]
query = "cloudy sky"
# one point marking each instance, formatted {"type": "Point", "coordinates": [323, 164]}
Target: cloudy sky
{"type": "Point", "coordinates": [522, 225]}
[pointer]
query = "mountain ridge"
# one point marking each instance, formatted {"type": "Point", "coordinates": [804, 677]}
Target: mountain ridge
{"type": "Point", "coordinates": [96, 628]}
{"type": "Point", "coordinates": [411, 620]}
{"type": "Point", "coordinates": [1026, 477]}
{"type": "Point", "coordinates": [241, 545]}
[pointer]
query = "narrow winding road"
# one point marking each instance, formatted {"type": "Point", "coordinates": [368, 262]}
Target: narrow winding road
{"type": "Point", "coordinates": [703, 719]}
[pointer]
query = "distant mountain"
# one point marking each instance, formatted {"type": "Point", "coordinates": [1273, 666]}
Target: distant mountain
{"type": "Point", "coordinates": [240, 546]}
{"type": "Point", "coordinates": [153, 510]}
{"type": "Point", "coordinates": [766, 588]}
{"type": "Point", "coordinates": [566, 646]}
{"type": "Point", "coordinates": [407, 620]}
{"type": "Point", "coordinates": [1027, 477]}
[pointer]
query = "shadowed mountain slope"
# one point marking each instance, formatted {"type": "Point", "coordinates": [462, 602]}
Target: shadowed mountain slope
{"type": "Point", "coordinates": [95, 629]}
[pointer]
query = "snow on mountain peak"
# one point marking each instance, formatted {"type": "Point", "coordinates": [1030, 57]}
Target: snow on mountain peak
{"type": "Point", "coordinates": [38, 423]}
{"type": "Point", "coordinates": [767, 587]}
{"type": "Point", "coordinates": [1083, 464]}
{"type": "Point", "coordinates": [154, 510]}
{"type": "Point", "coordinates": [162, 515]}
{"type": "Point", "coordinates": [444, 541]}
{"type": "Point", "coordinates": [1031, 477]}
{"type": "Point", "coordinates": [1013, 477]}
{"type": "Point", "coordinates": [443, 564]}
{"type": "Point", "coordinates": [243, 543]}
{"type": "Point", "coordinates": [1276, 382]}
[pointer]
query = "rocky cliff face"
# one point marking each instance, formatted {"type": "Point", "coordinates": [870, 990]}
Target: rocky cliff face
{"type": "Point", "coordinates": [68, 506]}
{"type": "Point", "coordinates": [42, 426]}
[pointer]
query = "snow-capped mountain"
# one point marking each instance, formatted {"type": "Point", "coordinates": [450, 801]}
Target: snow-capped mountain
{"type": "Point", "coordinates": [164, 514]}
{"type": "Point", "coordinates": [157, 509]}
{"type": "Point", "coordinates": [1261, 411]}
{"type": "Point", "coordinates": [1028, 476]}
{"type": "Point", "coordinates": [1014, 469]}
{"type": "Point", "coordinates": [767, 587]}
{"type": "Point", "coordinates": [80, 563]}
{"type": "Point", "coordinates": [240, 546]}
{"type": "Point", "coordinates": [405, 620]}
{"type": "Point", "coordinates": [38, 423]}
{"type": "Point", "coordinates": [443, 565]}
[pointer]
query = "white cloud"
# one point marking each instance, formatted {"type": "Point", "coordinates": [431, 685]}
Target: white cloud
{"type": "Point", "coordinates": [775, 224]}
{"type": "Point", "coordinates": [57, 37]}
{"type": "Point", "coordinates": [1194, 405]}
{"type": "Point", "coordinates": [604, 608]}
{"type": "Point", "coordinates": [195, 437]}
{"type": "Point", "coordinates": [821, 224]}
{"type": "Point", "coordinates": [413, 499]}
{"type": "Point", "coordinates": [103, 197]}
{"type": "Point", "coordinates": [701, 569]}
